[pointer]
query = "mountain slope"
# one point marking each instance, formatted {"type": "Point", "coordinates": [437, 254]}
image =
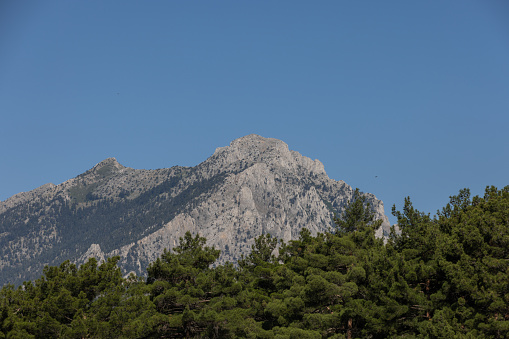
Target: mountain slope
{"type": "Point", "coordinates": [255, 185]}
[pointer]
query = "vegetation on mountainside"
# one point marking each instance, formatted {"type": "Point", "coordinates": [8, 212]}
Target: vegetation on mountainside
{"type": "Point", "coordinates": [81, 225]}
{"type": "Point", "coordinates": [440, 277]}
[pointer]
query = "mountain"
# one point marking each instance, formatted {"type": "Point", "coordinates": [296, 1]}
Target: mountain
{"type": "Point", "coordinates": [253, 186]}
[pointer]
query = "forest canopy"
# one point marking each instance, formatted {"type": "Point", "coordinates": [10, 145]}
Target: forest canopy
{"type": "Point", "coordinates": [445, 276]}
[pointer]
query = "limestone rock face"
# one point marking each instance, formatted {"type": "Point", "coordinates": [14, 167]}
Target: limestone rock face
{"type": "Point", "coordinates": [253, 186]}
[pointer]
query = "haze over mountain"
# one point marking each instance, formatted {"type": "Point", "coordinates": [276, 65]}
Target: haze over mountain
{"type": "Point", "coordinates": [253, 186]}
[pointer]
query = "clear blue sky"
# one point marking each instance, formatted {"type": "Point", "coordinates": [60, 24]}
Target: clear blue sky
{"type": "Point", "coordinates": [398, 98]}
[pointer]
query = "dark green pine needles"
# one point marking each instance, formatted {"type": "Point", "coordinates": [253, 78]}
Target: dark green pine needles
{"type": "Point", "coordinates": [435, 277]}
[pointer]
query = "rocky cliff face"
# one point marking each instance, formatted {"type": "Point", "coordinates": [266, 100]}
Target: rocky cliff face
{"type": "Point", "coordinates": [254, 186]}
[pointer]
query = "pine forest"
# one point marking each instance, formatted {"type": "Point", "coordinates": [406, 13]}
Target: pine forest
{"type": "Point", "coordinates": [442, 276]}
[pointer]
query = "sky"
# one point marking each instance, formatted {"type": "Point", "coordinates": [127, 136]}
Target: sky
{"type": "Point", "coordinates": [397, 98]}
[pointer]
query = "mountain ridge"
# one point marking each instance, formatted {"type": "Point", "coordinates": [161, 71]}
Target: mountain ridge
{"type": "Point", "coordinates": [253, 186]}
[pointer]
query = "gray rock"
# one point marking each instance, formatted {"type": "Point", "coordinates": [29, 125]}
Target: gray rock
{"type": "Point", "coordinates": [253, 186]}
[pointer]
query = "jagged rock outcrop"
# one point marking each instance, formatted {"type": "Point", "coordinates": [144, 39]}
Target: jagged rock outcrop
{"type": "Point", "coordinates": [255, 185]}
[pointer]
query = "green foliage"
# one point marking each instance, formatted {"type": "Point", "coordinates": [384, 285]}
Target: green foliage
{"type": "Point", "coordinates": [261, 252]}
{"type": "Point", "coordinates": [357, 215]}
{"type": "Point", "coordinates": [441, 277]}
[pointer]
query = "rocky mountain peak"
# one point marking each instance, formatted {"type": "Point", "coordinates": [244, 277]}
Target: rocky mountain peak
{"type": "Point", "coordinates": [254, 186]}
{"type": "Point", "coordinates": [253, 146]}
{"type": "Point", "coordinates": [253, 149]}
{"type": "Point", "coordinates": [105, 169]}
{"type": "Point", "coordinates": [108, 165]}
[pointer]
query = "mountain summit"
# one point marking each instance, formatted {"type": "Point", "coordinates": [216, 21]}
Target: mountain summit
{"type": "Point", "coordinates": [253, 186]}
{"type": "Point", "coordinates": [256, 149]}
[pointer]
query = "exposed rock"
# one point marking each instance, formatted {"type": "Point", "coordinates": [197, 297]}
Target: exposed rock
{"type": "Point", "coordinates": [23, 197]}
{"type": "Point", "coordinates": [93, 252]}
{"type": "Point", "coordinates": [253, 186]}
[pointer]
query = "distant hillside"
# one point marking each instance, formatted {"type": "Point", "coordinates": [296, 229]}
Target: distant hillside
{"type": "Point", "coordinates": [254, 186]}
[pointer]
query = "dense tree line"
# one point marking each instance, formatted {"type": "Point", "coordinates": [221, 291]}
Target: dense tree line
{"type": "Point", "coordinates": [436, 277]}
